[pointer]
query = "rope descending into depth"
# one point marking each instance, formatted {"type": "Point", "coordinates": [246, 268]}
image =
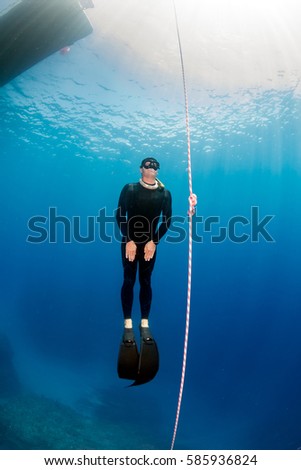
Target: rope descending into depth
{"type": "Point", "coordinates": [192, 203]}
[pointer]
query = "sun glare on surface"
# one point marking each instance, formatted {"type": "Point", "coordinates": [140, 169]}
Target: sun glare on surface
{"type": "Point", "coordinates": [226, 43]}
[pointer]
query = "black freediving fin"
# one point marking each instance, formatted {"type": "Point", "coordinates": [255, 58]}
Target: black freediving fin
{"type": "Point", "coordinates": [148, 359]}
{"type": "Point", "coordinates": [128, 359]}
{"type": "Point", "coordinates": [33, 29]}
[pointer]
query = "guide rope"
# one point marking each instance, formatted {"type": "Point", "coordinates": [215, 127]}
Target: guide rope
{"type": "Point", "coordinates": [192, 203]}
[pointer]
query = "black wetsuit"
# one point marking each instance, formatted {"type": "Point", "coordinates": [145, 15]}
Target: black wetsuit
{"type": "Point", "coordinates": [138, 218]}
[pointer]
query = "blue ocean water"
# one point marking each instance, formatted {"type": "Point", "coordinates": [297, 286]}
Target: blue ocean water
{"type": "Point", "coordinates": [74, 130]}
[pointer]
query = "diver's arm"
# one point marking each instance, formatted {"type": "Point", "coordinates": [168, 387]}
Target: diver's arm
{"type": "Point", "coordinates": [166, 217]}
{"type": "Point", "coordinates": [121, 212]}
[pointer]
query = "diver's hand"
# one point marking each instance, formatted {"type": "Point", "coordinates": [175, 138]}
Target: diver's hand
{"type": "Point", "coordinates": [149, 250]}
{"type": "Point", "coordinates": [130, 250]}
{"type": "Point", "coordinates": [193, 200]}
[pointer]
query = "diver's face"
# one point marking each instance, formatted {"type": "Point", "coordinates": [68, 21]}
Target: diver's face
{"type": "Point", "coordinates": [148, 173]}
{"type": "Point", "coordinates": [149, 169]}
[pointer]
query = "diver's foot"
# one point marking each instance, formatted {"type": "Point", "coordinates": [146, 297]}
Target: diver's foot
{"type": "Point", "coordinates": [128, 336]}
{"type": "Point", "coordinates": [146, 334]}
{"type": "Point", "coordinates": [128, 323]}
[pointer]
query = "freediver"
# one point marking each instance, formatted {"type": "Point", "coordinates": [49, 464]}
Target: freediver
{"type": "Point", "coordinates": [143, 217]}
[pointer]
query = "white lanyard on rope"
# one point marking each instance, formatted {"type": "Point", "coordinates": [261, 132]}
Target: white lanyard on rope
{"type": "Point", "coordinates": [192, 203]}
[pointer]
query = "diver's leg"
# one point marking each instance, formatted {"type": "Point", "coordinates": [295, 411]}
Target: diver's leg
{"type": "Point", "coordinates": [149, 354]}
{"type": "Point", "coordinates": [145, 296]}
{"type": "Point", "coordinates": [127, 290]}
{"type": "Point", "coordinates": [128, 356]}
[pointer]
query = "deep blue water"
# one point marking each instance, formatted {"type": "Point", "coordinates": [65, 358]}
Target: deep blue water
{"type": "Point", "coordinates": [71, 141]}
